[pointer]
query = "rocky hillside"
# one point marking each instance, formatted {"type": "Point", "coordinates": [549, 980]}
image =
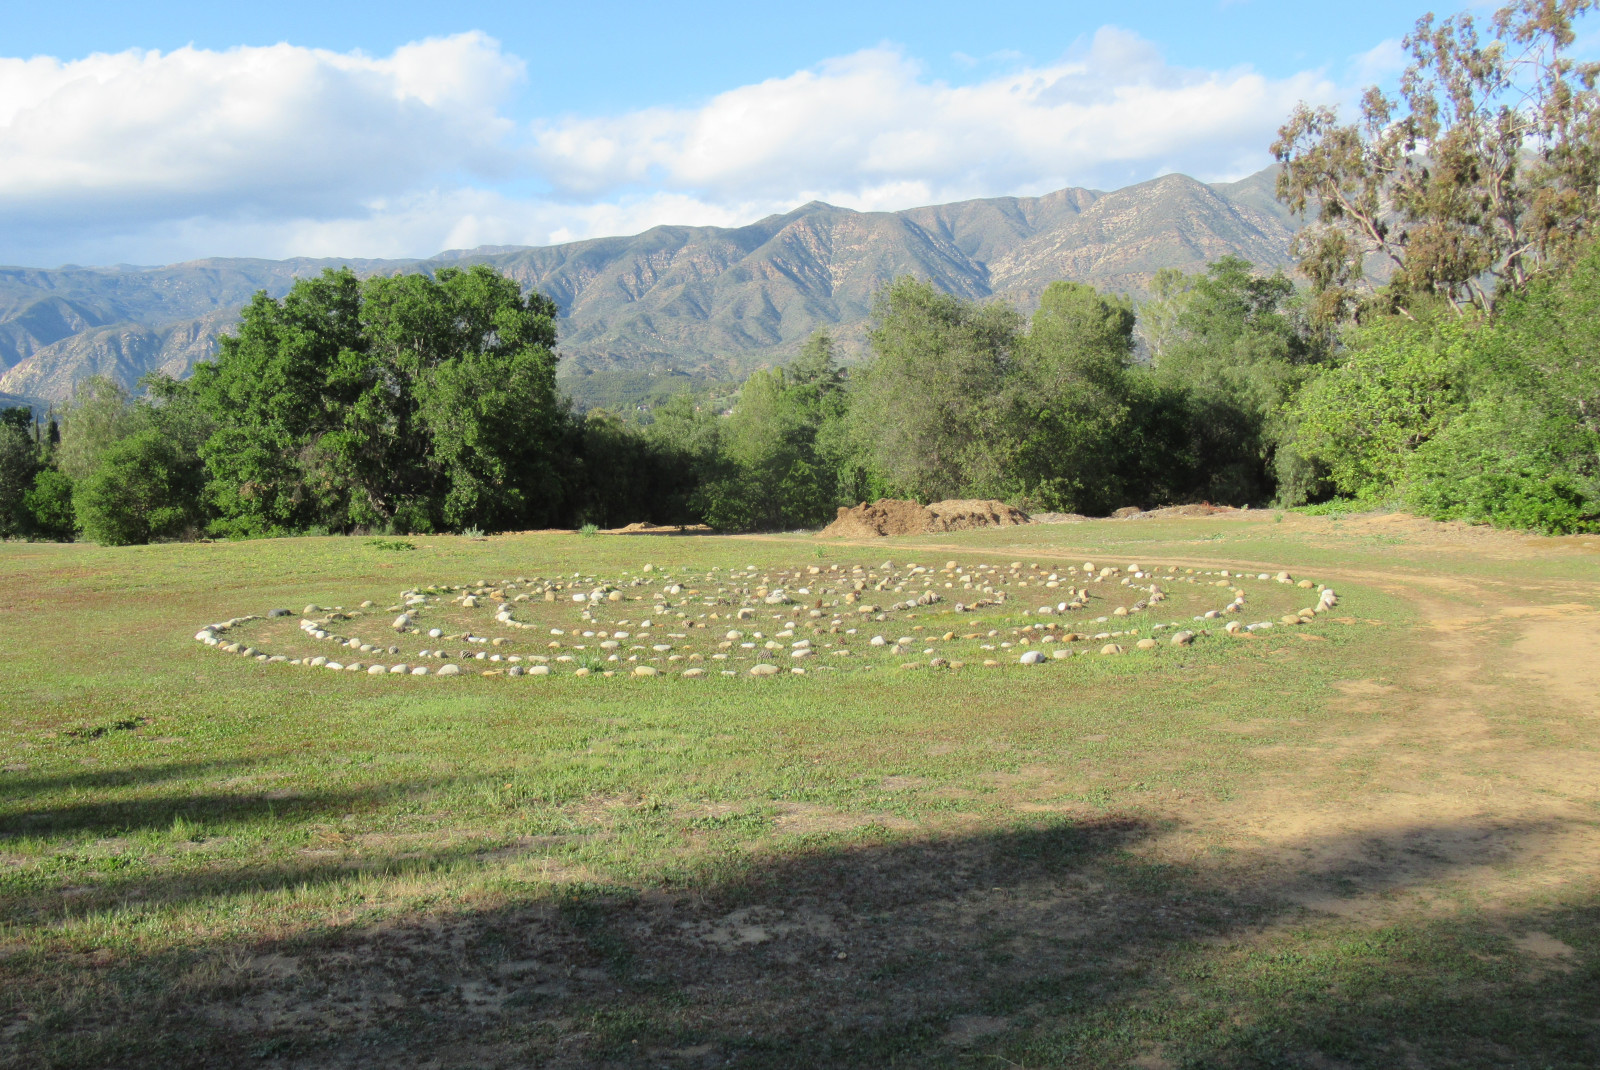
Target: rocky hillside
{"type": "Point", "coordinates": [709, 301]}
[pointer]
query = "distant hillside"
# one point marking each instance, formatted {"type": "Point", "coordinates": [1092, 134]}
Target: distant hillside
{"type": "Point", "coordinates": [697, 302]}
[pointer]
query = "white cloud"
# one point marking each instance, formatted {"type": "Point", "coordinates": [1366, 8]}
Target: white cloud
{"type": "Point", "coordinates": [858, 125]}
{"type": "Point", "coordinates": [147, 156]}
{"type": "Point", "coordinates": [266, 130]}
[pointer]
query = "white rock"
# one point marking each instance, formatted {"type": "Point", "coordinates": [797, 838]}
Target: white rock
{"type": "Point", "coordinates": [1032, 657]}
{"type": "Point", "coordinates": [376, 670]}
{"type": "Point", "coordinates": [764, 670]}
{"type": "Point", "coordinates": [449, 670]}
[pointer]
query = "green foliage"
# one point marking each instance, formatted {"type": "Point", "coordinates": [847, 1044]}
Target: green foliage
{"type": "Point", "coordinates": [1470, 419]}
{"type": "Point", "coordinates": [1396, 386]}
{"type": "Point", "coordinates": [99, 416]}
{"type": "Point", "coordinates": [403, 403]}
{"type": "Point", "coordinates": [49, 505]}
{"type": "Point", "coordinates": [143, 489]}
{"type": "Point", "coordinates": [932, 415]}
{"type": "Point", "coordinates": [771, 468]}
{"type": "Point", "coordinates": [1072, 399]}
{"type": "Point", "coordinates": [19, 464]}
{"type": "Point", "coordinates": [1235, 350]}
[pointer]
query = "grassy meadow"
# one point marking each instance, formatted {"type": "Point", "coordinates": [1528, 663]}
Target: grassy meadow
{"type": "Point", "coordinates": [1370, 842]}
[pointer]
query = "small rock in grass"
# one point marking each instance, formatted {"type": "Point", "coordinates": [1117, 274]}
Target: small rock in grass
{"type": "Point", "coordinates": [1146, 644]}
{"type": "Point", "coordinates": [1111, 648]}
{"type": "Point", "coordinates": [275, 613]}
{"type": "Point", "coordinates": [693, 672]}
{"type": "Point", "coordinates": [1032, 657]}
{"type": "Point", "coordinates": [646, 670]}
{"type": "Point", "coordinates": [449, 670]}
{"type": "Point", "coordinates": [764, 670]}
{"type": "Point", "coordinates": [1183, 638]}
{"type": "Point", "coordinates": [580, 672]}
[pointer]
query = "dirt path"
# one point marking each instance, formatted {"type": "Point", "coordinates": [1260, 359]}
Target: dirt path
{"type": "Point", "coordinates": [1473, 774]}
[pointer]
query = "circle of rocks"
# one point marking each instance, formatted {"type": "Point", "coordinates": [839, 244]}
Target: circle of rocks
{"type": "Point", "coordinates": [838, 598]}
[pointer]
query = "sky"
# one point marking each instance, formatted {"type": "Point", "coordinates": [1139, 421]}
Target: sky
{"type": "Point", "coordinates": [159, 132]}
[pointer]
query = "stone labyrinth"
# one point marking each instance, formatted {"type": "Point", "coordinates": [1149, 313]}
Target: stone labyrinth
{"type": "Point", "coordinates": [806, 619]}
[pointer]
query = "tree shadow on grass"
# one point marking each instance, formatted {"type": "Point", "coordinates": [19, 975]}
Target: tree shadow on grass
{"type": "Point", "coordinates": [1047, 944]}
{"type": "Point", "coordinates": [212, 808]}
{"type": "Point", "coordinates": [23, 787]}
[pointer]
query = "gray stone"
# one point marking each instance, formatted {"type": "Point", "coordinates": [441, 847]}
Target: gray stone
{"type": "Point", "coordinates": [1183, 638]}
{"type": "Point", "coordinates": [1032, 657]}
{"type": "Point", "coordinates": [764, 670]}
{"type": "Point", "coordinates": [449, 670]}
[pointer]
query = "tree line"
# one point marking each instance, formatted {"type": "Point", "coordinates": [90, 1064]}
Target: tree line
{"type": "Point", "coordinates": [1438, 352]}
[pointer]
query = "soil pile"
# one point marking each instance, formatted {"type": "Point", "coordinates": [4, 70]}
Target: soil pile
{"type": "Point", "coordinates": [1198, 509]}
{"type": "Point", "coordinates": [965, 514]}
{"type": "Point", "coordinates": [889, 516]}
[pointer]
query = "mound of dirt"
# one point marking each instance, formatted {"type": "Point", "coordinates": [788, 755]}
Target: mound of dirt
{"type": "Point", "coordinates": [889, 516]}
{"type": "Point", "coordinates": [965, 514]}
{"type": "Point", "coordinates": [1198, 509]}
{"type": "Point", "coordinates": [886, 516]}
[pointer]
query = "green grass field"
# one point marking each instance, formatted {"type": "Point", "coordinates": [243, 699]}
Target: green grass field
{"type": "Point", "coordinates": [1370, 840]}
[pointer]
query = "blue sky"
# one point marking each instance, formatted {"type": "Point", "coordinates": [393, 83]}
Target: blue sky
{"type": "Point", "coordinates": [149, 133]}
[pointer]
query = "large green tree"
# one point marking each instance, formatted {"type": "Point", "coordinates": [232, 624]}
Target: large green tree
{"type": "Point", "coordinates": [1069, 390]}
{"type": "Point", "coordinates": [405, 403]}
{"type": "Point", "coordinates": [931, 413]}
{"type": "Point", "coordinates": [1237, 349]}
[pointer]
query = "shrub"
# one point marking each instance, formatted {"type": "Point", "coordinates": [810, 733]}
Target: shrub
{"type": "Point", "coordinates": [142, 490]}
{"type": "Point", "coordinates": [49, 505]}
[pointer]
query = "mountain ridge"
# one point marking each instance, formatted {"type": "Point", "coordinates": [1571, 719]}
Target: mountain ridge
{"type": "Point", "coordinates": [712, 301]}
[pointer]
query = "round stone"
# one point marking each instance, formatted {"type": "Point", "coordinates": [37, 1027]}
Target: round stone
{"type": "Point", "coordinates": [376, 670]}
{"type": "Point", "coordinates": [1032, 657]}
{"type": "Point", "coordinates": [449, 670]}
{"type": "Point", "coordinates": [764, 670]}
{"type": "Point", "coordinates": [693, 672]}
{"type": "Point", "coordinates": [1111, 648]}
{"type": "Point", "coordinates": [1146, 644]}
{"type": "Point", "coordinates": [1183, 638]}
{"type": "Point", "coordinates": [646, 670]}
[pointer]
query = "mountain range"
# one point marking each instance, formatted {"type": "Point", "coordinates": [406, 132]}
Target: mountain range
{"type": "Point", "coordinates": [708, 302]}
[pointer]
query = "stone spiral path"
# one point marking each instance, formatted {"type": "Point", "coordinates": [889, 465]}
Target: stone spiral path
{"type": "Point", "coordinates": [788, 621]}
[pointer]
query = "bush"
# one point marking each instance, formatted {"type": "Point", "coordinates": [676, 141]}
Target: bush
{"type": "Point", "coordinates": [49, 505]}
{"type": "Point", "coordinates": [142, 490]}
